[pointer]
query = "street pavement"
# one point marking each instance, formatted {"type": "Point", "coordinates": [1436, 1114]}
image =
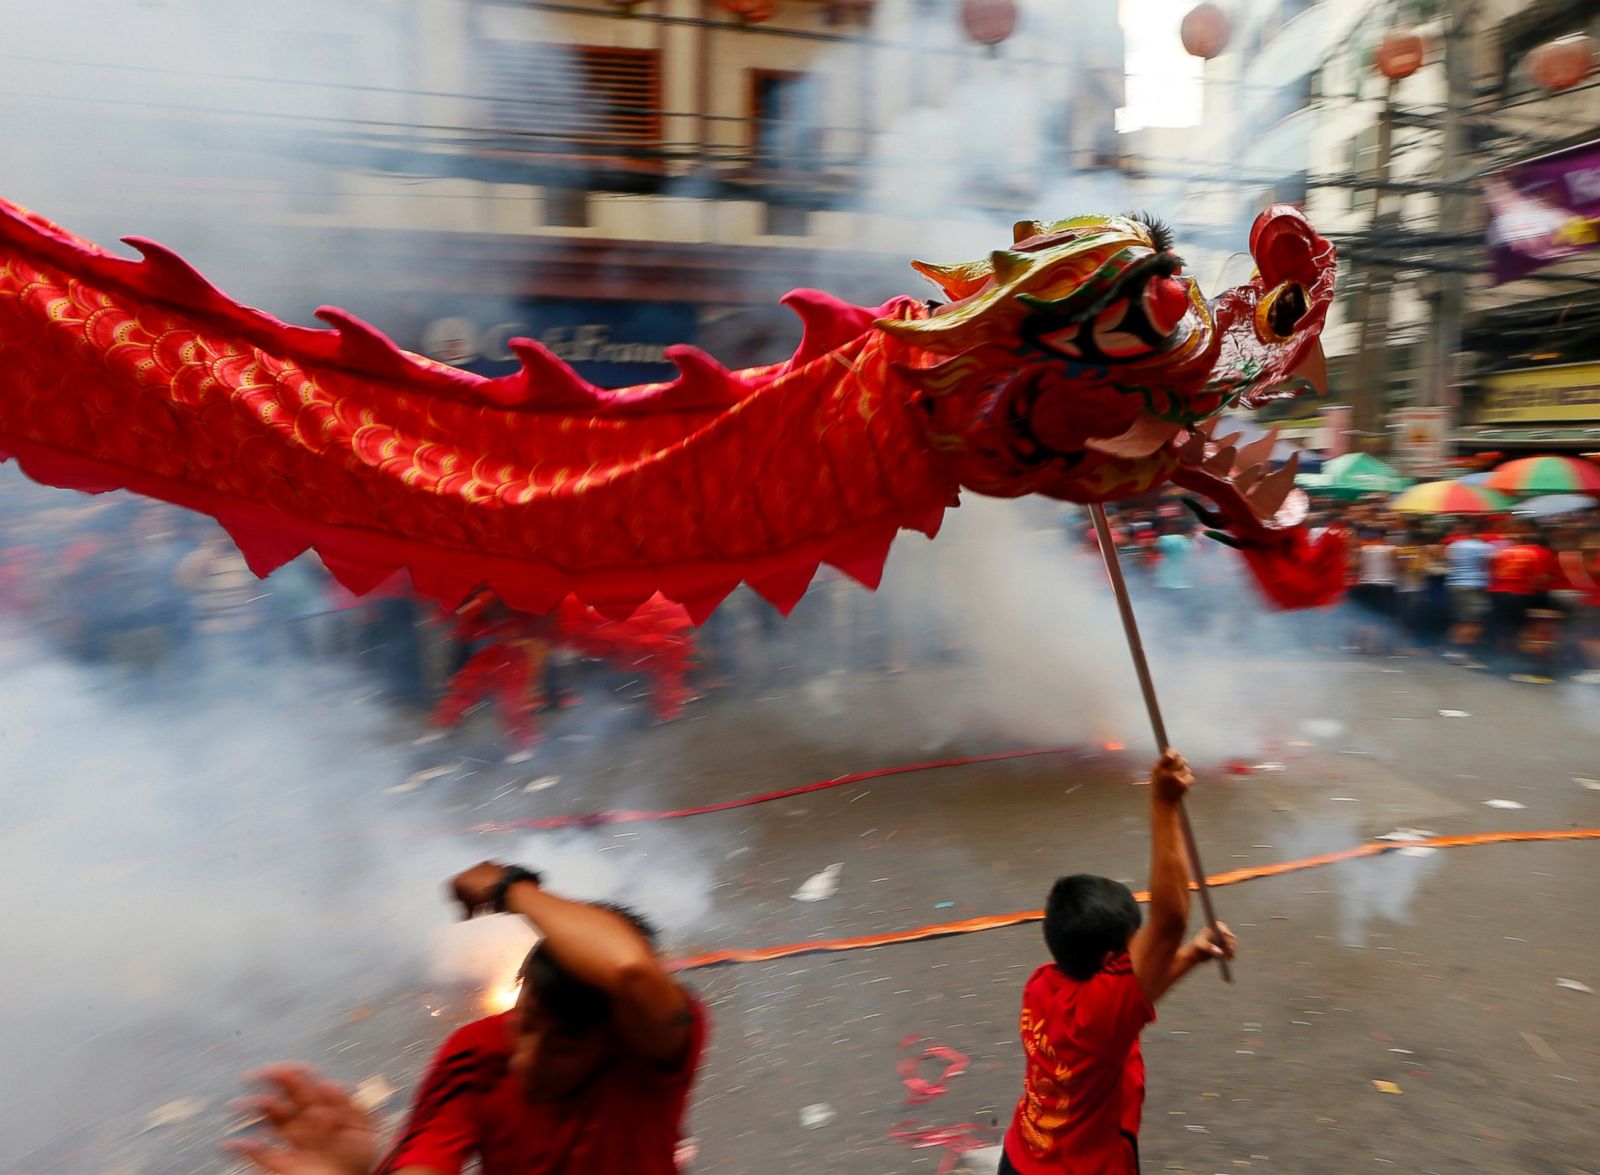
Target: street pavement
{"type": "Point", "coordinates": [1421, 1011]}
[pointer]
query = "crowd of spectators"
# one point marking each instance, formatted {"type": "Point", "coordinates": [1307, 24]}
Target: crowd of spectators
{"type": "Point", "coordinates": [1508, 593]}
{"type": "Point", "coordinates": [161, 600]}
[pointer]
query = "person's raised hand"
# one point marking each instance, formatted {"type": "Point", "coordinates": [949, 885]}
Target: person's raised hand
{"type": "Point", "coordinates": [1208, 945]}
{"type": "Point", "coordinates": [475, 888]}
{"type": "Point", "coordinates": [1171, 778]}
{"type": "Point", "coordinates": [320, 1130]}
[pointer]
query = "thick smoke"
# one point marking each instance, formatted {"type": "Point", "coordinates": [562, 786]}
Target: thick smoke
{"type": "Point", "coordinates": [195, 864]}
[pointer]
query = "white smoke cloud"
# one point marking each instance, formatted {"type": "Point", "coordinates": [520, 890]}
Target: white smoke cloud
{"type": "Point", "coordinates": [183, 863]}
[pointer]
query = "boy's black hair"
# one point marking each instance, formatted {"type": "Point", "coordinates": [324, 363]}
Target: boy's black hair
{"type": "Point", "coordinates": [576, 1006]}
{"type": "Point", "coordinates": [1085, 918]}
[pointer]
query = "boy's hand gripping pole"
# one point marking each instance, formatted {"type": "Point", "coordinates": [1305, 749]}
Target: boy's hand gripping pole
{"type": "Point", "coordinates": [1130, 628]}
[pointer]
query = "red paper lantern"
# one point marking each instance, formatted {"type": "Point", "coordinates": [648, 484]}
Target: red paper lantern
{"type": "Point", "coordinates": [1563, 63]}
{"type": "Point", "coordinates": [1400, 53]}
{"type": "Point", "coordinates": [1205, 31]}
{"type": "Point", "coordinates": [750, 11]}
{"type": "Point", "coordinates": [989, 22]}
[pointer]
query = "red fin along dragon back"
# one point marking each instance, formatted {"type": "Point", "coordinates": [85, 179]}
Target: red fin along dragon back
{"type": "Point", "coordinates": [1080, 363]}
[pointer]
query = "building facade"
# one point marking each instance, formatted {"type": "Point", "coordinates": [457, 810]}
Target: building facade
{"type": "Point", "coordinates": [608, 177]}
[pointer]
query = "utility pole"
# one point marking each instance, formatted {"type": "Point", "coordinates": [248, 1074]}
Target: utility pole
{"type": "Point", "coordinates": [1445, 341]}
{"type": "Point", "coordinates": [1369, 404]}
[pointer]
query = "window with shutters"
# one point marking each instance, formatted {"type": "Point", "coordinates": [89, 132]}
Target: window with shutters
{"type": "Point", "coordinates": [580, 100]}
{"type": "Point", "coordinates": [783, 131]}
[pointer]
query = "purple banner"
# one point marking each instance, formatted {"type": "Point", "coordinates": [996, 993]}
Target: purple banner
{"type": "Point", "coordinates": [1543, 211]}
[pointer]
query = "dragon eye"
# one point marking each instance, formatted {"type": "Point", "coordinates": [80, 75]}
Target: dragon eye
{"type": "Point", "coordinates": [1165, 303]}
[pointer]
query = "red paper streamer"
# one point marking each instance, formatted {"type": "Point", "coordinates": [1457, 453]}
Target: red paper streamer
{"type": "Point", "coordinates": [918, 1088]}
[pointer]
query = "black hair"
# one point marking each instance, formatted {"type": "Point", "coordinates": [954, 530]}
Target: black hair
{"type": "Point", "coordinates": [1160, 233]}
{"type": "Point", "coordinates": [1085, 918]}
{"type": "Point", "coordinates": [576, 1006]}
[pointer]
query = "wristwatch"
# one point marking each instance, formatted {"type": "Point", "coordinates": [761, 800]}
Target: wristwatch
{"type": "Point", "coordinates": [512, 875]}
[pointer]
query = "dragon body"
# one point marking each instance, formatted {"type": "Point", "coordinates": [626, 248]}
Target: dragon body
{"type": "Point", "coordinates": [1080, 363]}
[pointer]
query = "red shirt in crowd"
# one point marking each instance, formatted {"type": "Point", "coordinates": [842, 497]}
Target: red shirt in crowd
{"type": "Point", "coordinates": [625, 1121]}
{"type": "Point", "coordinates": [1084, 1089]}
{"type": "Point", "coordinates": [1523, 569]}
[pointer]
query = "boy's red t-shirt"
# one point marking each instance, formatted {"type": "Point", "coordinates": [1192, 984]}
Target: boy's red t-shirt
{"type": "Point", "coordinates": [625, 1121]}
{"type": "Point", "coordinates": [1084, 1088]}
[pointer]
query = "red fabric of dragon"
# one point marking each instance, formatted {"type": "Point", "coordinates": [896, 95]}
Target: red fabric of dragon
{"type": "Point", "coordinates": [1080, 363]}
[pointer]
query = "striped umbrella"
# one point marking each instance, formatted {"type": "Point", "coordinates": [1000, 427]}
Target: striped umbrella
{"type": "Point", "coordinates": [1450, 497]}
{"type": "Point", "coordinates": [1546, 475]}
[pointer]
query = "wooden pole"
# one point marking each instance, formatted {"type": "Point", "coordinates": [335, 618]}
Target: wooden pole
{"type": "Point", "coordinates": [1130, 628]}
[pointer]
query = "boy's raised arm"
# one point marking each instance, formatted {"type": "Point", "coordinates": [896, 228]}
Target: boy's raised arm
{"type": "Point", "coordinates": [1156, 944]}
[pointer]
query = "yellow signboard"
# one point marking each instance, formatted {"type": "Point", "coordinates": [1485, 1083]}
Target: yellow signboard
{"type": "Point", "coordinates": [1570, 392]}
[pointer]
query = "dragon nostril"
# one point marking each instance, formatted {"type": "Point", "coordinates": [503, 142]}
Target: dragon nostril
{"type": "Point", "coordinates": [1287, 309]}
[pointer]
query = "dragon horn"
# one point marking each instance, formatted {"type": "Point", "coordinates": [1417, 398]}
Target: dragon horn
{"type": "Point", "coordinates": [957, 281]}
{"type": "Point", "coordinates": [1024, 229]}
{"type": "Point", "coordinates": [1268, 497]}
{"type": "Point", "coordinates": [1245, 480]}
{"type": "Point", "coordinates": [1009, 265]}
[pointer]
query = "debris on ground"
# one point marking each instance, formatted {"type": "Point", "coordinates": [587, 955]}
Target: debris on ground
{"type": "Point", "coordinates": [1404, 835]}
{"type": "Point", "coordinates": [980, 1160]}
{"type": "Point", "coordinates": [1454, 714]}
{"type": "Point", "coordinates": [542, 783]}
{"type": "Point", "coordinates": [1511, 804]}
{"type": "Point", "coordinates": [820, 886]}
{"type": "Point", "coordinates": [914, 1052]}
{"type": "Point", "coordinates": [1386, 1087]}
{"type": "Point", "coordinates": [418, 779]}
{"type": "Point", "coordinates": [958, 1141]}
{"type": "Point", "coordinates": [1240, 767]}
{"type": "Point", "coordinates": [372, 1093]}
{"type": "Point", "coordinates": [816, 1115]}
{"type": "Point", "coordinates": [1541, 1046]}
{"type": "Point", "coordinates": [1574, 985]}
{"type": "Point", "coordinates": [173, 1112]}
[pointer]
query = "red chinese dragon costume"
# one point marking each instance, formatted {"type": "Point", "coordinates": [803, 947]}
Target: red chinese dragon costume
{"type": "Point", "coordinates": [1081, 363]}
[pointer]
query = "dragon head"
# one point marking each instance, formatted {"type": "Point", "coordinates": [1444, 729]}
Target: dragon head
{"type": "Point", "coordinates": [1082, 363]}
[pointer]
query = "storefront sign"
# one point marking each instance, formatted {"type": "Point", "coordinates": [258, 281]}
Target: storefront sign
{"type": "Point", "coordinates": [1328, 432]}
{"type": "Point", "coordinates": [1421, 443]}
{"type": "Point", "coordinates": [1543, 211]}
{"type": "Point", "coordinates": [1570, 392]}
{"type": "Point", "coordinates": [610, 344]}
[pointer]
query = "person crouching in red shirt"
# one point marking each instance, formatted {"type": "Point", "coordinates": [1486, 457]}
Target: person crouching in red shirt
{"type": "Point", "coordinates": [1082, 1014]}
{"type": "Point", "coordinates": [589, 1073]}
